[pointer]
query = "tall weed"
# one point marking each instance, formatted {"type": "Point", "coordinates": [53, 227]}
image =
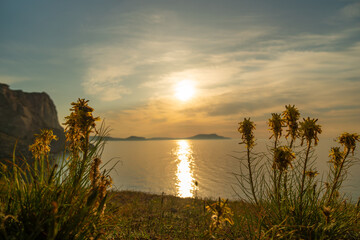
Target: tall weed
{"type": "Point", "coordinates": [58, 199]}
{"type": "Point", "coordinates": [291, 202]}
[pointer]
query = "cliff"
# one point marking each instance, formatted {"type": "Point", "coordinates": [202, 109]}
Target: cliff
{"type": "Point", "coordinates": [21, 116]}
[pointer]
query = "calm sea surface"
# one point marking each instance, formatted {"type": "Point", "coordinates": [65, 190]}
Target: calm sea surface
{"type": "Point", "coordinates": [189, 168]}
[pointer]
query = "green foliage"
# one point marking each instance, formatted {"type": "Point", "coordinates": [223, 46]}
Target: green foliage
{"type": "Point", "coordinates": [58, 200]}
{"type": "Point", "coordinates": [309, 209]}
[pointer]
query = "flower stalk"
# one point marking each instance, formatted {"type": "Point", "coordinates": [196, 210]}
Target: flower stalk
{"type": "Point", "coordinates": [246, 129]}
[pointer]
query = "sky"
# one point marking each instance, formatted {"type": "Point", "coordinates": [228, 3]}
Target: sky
{"type": "Point", "coordinates": [179, 68]}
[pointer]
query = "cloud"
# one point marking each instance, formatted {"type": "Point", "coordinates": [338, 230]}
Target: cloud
{"type": "Point", "coordinates": [105, 82]}
{"type": "Point", "coordinates": [247, 73]}
{"type": "Point", "coordinates": [313, 81]}
{"type": "Point", "coordinates": [351, 10]}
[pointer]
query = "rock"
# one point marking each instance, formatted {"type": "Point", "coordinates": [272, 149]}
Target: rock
{"type": "Point", "coordinates": [21, 116]}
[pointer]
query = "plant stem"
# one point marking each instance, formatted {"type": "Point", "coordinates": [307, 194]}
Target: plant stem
{"type": "Point", "coordinates": [303, 178]}
{"type": "Point", "coordinates": [285, 174]}
{"type": "Point", "coordinates": [250, 176]}
{"type": "Point", "coordinates": [337, 176]}
{"type": "Point", "coordinates": [274, 169]}
{"type": "Point", "coordinates": [304, 171]}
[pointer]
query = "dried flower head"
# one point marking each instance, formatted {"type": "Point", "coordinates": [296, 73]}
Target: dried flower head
{"type": "Point", "coordinates": [79, 124]}
{"type": "Point", "coordinates": [41, 146]}
{"type": "Point", "coordinates": [327, 211]}
{"type": "Point", "coordinates": [276, 123]}
{"type": "Point", "coordinates": [95, 172]}
{"type": "Point", "coordinates": [348, 140]}
{"type": "Point", "coordinates": [105, 183]}
{"type": "Point", "coordinates": [282, 158]}
{"type": "Point", "coordinates": [246, 129]}
{"type": "Point", "coordinates": [309, 130]}
{"type": "Point", "coordinates": [336, 156]}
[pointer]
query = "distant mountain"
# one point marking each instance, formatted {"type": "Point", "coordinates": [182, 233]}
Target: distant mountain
{"type": "Point", "coordinates": [196, 137]}
{"type": "Point", "coordinates": [135, 138]}
{"type": "Point", "coordinates": [208, 136]}
{"type": "Point", "coordinates": [161, 138]}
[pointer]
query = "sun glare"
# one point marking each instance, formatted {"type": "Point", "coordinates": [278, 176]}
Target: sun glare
{"type": "Point", "coordinates": [184, 90]}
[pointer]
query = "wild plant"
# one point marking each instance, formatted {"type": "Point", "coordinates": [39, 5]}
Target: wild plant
{"type": "Point", "coordinates": [58, 199]}
{"type": "Point", "coordinates": [246, 128]}
{"type": "Point", "coordinates": [294, 203]}
{"type": "Point", "coordinates": [221, 215]}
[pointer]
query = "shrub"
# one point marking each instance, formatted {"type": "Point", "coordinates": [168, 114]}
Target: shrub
{"type": "Point", "coordinates": [63, 199]}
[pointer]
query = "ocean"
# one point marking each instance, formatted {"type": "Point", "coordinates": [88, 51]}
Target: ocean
{"type": "Point", "coordinates": [198, 168]}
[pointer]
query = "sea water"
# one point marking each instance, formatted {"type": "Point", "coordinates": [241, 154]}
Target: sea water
{"type": "Point", "coordinates": [202, 168]}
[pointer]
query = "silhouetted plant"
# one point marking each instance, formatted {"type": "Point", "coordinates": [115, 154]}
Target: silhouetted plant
{"type": "Point", "coordinates": [291, 116]}
{"type": "Point", "coordinates": [308, 209]}
{"type": "Point", "coordinates": [246, 129]}
{"type": "Point", "coordinates": [309, 131]}
{"type": "Point", "coordinates": [276, 123]}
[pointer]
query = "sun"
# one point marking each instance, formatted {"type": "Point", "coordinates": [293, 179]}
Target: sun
{"type": "Point", "coordinates": [184, 90]}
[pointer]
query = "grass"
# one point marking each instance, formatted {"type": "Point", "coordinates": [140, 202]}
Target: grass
{"type": "Point", "coordinates": [71, 198]}
{"type": "Point", "coordinates": [151, 216]}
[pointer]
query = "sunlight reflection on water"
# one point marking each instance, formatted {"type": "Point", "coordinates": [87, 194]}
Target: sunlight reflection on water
{"type": "Point", "coordinates": [185, 182]}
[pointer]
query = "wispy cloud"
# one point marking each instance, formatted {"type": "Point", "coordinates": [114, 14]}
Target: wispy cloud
{"type": "Point", "coordinates": [309, 79]}
{"type": "Point", "coordinates": [106, 82]}
{"type": "Point", "coordinates": [248, 72]}
{"type": "Point", "coordinates": [351, 10]}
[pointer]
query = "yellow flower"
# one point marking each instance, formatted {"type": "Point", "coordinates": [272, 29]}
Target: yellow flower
{"type": "Point", "coordinates": [291, 115]}
{"type": "Point", "coordinates": [246, 129]}
{"type": "Point", "coordinates": [79, 125]}
{"type": "Point", "coordinates": [276, 123]}
{"type": "Point", "coordinates": [282, 158]}
{"type": "Point", "coordinates": [309, 130]}
{"type": "Point", "coordinates": [41, 146]}
{"type": "Point", "coordinates": [336, 156]}
{"type": "Point", "coordinates": [221, 214]}
{"type": "Point", "coordinates": [349, 141]}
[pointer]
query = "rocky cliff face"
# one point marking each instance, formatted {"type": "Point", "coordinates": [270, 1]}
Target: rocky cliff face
{"type": "Point", "coordinates": [21, 116]}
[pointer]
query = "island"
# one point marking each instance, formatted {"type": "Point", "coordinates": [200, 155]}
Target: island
{"type": "Point", "coordinates": [208, 136]}
{"type": "Point", "coordinates": [212, 136]}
